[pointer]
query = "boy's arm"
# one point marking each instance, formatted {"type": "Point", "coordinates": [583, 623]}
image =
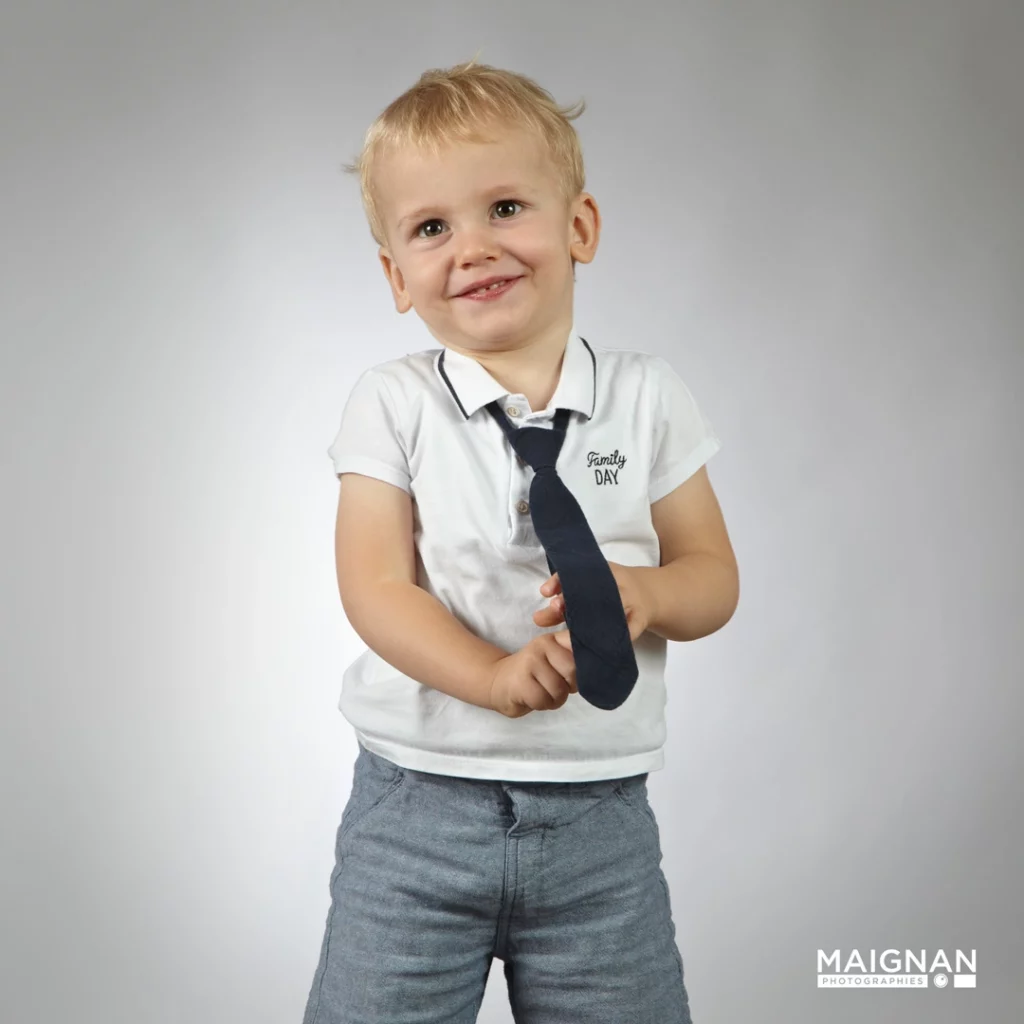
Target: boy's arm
{"type": "Point", "coordinates": [696, 589]}
{"type": "Point", "coordinates": [407, 627]}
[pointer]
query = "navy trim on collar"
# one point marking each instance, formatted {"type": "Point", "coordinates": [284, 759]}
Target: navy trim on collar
{"type": "Point", "coordinates": [593, 362]}
{"type": "Point", "coordinates": [440, 368]}
{"type": "Point", "coordinates": [462, 408]}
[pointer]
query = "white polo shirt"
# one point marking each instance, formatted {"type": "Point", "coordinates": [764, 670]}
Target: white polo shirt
{"type": "Point", "coordinates": [419, 423]}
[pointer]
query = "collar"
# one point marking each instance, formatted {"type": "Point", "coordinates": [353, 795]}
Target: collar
{"type": "Point", "coordinates": [471, 387]}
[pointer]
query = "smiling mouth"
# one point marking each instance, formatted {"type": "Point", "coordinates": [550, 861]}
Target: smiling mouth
{"type": "Point", "coordinates": [492, 289]}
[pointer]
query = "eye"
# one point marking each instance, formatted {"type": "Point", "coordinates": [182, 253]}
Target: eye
{"type": "Point", "coordinates": [506, 203]}
{"type": "Point", "coordinates": [425, 224]}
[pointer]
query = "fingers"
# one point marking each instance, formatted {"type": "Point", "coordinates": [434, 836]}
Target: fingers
{"type": "Point", "coordinates": [553, 688]}
{"type": "Point", "coordinates": [562, 657]}
{"type": "Point", "coordinates": [555, 673]}
{"type": "Point", "coordinates": [552, 614]}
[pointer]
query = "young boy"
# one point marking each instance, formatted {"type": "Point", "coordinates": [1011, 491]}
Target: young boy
{"type": "Point", "coordinates": [475, 827]}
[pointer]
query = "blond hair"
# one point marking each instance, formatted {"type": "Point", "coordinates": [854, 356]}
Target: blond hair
{"type": "Point", "coordinates": [460, 104]}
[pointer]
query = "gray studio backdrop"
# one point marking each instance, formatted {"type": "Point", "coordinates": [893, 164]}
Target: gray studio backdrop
{"type": "Point", "coordinates": [814, 210]}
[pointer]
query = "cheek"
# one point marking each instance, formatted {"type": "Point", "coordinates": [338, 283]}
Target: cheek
{"type": "Point", "coordinates": [424, 276]}
{"type": "Point", "coordinates": [544, 247]}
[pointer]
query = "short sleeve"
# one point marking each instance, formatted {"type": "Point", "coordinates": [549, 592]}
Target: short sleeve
{"type": "Point", "coordinates": [684, 439]}
{"type": "Point", "coordinates": [369, 440]}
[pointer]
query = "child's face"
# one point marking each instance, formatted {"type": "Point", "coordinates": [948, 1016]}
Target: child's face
{"type": "Point", "coordinates": [483, 210]}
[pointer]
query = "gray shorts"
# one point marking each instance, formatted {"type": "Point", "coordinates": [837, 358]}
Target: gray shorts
{"type": "Point", "coordinates": [436, 875]}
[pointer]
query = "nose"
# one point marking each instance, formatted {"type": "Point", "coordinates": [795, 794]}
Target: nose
{"type": "Point", "coordinates": [476, 244]}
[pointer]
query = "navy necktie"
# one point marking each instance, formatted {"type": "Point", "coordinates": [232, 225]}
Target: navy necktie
{"type": "Point", "coordinates": [606, 669]}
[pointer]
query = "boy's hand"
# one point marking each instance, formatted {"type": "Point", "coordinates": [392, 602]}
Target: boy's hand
{"type": "Point", "coordinates": [537, 677]}
{"type": "Point", "coordinates": [634, 603]}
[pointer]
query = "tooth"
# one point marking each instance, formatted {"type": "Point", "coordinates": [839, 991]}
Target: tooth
{"type": "Point", "coordinates": [488, 288]}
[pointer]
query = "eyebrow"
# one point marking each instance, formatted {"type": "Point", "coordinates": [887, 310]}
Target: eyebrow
{"type": "Point", "coordinates": [496, 190]}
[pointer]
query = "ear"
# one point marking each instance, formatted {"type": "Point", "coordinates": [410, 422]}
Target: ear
{"type": "Point", "coordinates": [584, 228]}
{"type": "Point", "coordinates": [402, 301]}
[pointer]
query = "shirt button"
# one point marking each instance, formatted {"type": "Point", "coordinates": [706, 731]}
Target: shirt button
{"type": "Point", "coordinates": [522, 506]}
{"type": "Point", "coordinates": [512, 410]}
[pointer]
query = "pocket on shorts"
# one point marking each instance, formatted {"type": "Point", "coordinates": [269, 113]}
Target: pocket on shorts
{"type": "Point", "coordinates": [633, 793]}
{"type": "Point", "coordinates": [374, 780]}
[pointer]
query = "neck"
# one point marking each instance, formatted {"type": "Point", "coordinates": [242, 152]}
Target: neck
{"type": "Point", "coordinates": [533, 369]}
